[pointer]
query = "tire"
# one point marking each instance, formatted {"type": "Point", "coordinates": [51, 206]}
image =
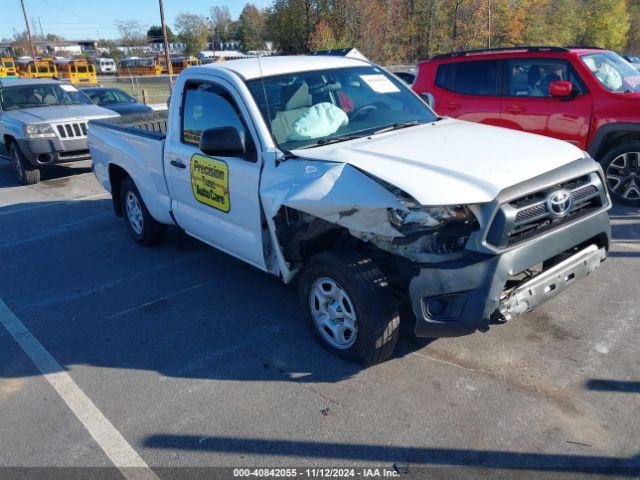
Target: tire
{"type": "Point", "coordinates": [144, 229]}
{"type": "Point", "coordinates": [368, 309]}
{"type": "Point", "coordinates": [26, 173]}
{"type": "Point", "coordinates": [621, 166]}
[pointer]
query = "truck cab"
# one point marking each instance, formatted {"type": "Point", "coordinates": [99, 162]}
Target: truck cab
{"type": "Point", "coordinates": [331, 172]}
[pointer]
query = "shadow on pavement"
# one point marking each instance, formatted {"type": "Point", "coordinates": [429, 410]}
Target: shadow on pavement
{"type": "Point", "coordinates": [52, 172]}
{"type": "Point", "coordinates": [444, 457]}
{"type": "Point", "coordinates": [181, 308]}
{"type": "Point", "coordinates": [605, 385]}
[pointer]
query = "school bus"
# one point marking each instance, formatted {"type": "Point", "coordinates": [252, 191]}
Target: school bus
{"type": "Point", "coordinates": [78, 72]}
{"type": "Point", "coordinates": [139, 66]}
{"type": "Point", "coordinates": [178, 64]}
{"type": "Point", "coordinates": [38, 68]}
{"type": "Point", "coordinates": [8, 68]}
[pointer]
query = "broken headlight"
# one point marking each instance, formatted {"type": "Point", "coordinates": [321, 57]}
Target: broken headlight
{"type": "Point", "coordinates": [437, 230]}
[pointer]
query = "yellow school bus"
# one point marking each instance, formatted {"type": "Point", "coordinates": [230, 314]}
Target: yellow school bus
{"type": "Point", "coordinates": [178, 64]}
{"type": "Point", "coordinates": [139, 66]}
{"type": "Point", "coordinates": [38, 68]}
{"type": "Point", "coordinates": [78, 72]}
{"type": "Point", "coordinates": [8, 68]}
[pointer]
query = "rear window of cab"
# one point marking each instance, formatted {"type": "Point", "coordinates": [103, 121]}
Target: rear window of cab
{"type": "Point", "coordinates": [469, 78]}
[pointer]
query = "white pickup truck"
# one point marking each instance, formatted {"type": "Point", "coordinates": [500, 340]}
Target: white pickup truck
{"type": "Point", "coordinates": [330, 170]}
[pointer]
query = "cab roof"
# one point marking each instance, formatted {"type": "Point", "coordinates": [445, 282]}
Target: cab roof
{"type": "Point", "coordinates": [254, 67]}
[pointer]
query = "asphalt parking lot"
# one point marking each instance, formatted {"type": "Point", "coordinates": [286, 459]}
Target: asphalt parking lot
{"type": "Point", "coordinates": [197, 359]}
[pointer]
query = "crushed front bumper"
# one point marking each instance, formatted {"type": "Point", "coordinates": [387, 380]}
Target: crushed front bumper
{"type": "Point", "coordinates": [460, 297]}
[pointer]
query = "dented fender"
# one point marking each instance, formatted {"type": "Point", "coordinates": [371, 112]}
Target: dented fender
{"type": "Point", "coordinates": [335, 192]}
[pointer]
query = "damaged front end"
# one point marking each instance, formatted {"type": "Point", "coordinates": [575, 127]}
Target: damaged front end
{"type": "Point", "coordinates": [313, 205]}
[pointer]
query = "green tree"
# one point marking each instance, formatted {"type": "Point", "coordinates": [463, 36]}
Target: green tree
{"type": "Point", "coordinates": [192, 31]}
{"type": "Point", "coordinates": [154, 34]}
{"type": "Point", "coordinates": [251, 29]}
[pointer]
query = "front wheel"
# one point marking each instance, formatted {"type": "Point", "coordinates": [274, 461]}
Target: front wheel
{"type": "Point", "coordinates": [622, 171]}
{"type": "Point", "coordinates": [26, 173]}
{"type": "Point", "coordinates": [143, 228]}
{"type": "Point", "coordinates": [349, 307]}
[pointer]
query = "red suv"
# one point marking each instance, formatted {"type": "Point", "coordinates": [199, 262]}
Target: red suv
{"type": "Point", "coordinates": [587, 96]}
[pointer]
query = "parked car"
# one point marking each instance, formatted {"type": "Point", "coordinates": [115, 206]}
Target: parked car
{"type": "Point", "coordinates": [332, 170]}
{"type": "Point", "coordinates": [585, 96]}
{"type": "Point", "coordinates": [44, 122]}
{"type": "Point", "coordinates": [116, 100]}
{"type": "Point", "coordinates": [407, 77]}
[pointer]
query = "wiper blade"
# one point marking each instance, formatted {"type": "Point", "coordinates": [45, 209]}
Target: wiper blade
{"type": "Point", "coordinates": [341, 138]}
{"type": "Point", "coordinates": [398, 126]}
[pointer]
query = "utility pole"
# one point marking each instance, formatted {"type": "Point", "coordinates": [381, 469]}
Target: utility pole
{"type": "Point", "coordinates": [167, 55]}
{"type": "Point", "coordinates": [26, 21]}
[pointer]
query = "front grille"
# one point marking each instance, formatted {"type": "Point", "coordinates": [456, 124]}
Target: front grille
{"type": "Point", "coordinates": [528, 216]}
{"type": "Point", "coordinates": [72, 130]}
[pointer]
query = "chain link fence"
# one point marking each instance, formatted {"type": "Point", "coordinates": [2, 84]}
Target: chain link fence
{"type": "Point", "coordinates": [151, 90]}
{"type": "Point", "coordinates": [154, 89]}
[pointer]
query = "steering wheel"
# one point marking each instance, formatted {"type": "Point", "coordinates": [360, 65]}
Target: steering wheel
{"type": "Point", "coordinates": [363, 109]}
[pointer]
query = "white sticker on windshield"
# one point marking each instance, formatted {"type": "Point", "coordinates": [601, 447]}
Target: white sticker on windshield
{"type": "Point", "coordinates": [380, 83]}
{"type": "Point", "coordinates": [68, 88]}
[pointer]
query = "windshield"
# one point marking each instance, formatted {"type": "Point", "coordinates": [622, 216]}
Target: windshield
{"type": "Point", "coordinates": [613, 71]}
{"type": "Point", "coordinates": [41, 95]}
{"type": "Point", "coordinates": [108, 96]}
{"type": "Point", "coordinates": [305, 109]}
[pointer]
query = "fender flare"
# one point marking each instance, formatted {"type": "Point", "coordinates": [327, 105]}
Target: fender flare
{"type": "Point", "coordinates": [600, 138]}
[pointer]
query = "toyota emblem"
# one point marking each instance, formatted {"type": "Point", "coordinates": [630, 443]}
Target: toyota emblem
{"type": "Point", "coordinates": [559, 203]}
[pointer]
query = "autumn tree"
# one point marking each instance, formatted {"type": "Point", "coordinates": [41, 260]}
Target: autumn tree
{"type": "Point", "coordinates": [606, 24]}
{"type": "Point", "coordinates": [192, 31]}
{"type": "Point", "coordinates": [221, 23]}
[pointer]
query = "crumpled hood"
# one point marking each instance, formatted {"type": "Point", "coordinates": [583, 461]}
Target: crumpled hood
{"type": "Point", "coordinates": [451, 162]}
{"type": "Point", "coordinates": [59, 113]}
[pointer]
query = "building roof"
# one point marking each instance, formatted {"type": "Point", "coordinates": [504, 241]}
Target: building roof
{"type": "Point", "coordinates": [251, 68]}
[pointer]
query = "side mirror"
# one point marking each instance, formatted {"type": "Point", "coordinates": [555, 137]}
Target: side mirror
{"type": "Point", "coordinates": [560, 89]}
{"type": "Point", "coordinates": [428, 98]}
{"type": "Point", "coordinates": [222, 142]}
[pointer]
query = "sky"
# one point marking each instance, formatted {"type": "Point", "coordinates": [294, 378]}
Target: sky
{"type": "Point", "coordinates": [90, 19]}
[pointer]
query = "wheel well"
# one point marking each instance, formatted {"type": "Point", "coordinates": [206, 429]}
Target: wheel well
{"type": "Point", "coordinates": [615, 139]}
{"type": "Point", "coordinates": [8, 139]}
{"type": "Point", "coordinates": [116, 176]}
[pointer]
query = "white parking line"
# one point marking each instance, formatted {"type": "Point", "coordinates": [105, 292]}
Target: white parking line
{"type": "Point", "coordinates": [123, 456]}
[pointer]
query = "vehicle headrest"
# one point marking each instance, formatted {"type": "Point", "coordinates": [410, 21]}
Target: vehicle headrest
{"type": "Point", "coordinates": [298, 96]}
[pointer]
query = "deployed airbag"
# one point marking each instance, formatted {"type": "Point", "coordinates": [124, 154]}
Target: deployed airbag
{"type": "Point", "coordinates": [319, 121]}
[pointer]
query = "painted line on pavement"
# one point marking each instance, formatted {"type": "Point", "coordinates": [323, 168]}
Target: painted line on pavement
{"type": "Point", "coordinates": [123, 456]}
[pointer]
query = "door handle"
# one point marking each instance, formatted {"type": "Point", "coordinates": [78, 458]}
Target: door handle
{"type": "Point", "coordinates": [178, 164]}
{"type": "Point", "coordinates": [516, 109]}
{"type": "Point", "coordinates": [452, 105]}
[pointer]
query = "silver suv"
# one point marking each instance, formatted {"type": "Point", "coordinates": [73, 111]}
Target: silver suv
{"type": "Point", "coordinates": [44, 122]}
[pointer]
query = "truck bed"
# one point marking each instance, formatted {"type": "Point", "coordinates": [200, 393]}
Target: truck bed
{"type": "Point", "coordinates": [152, 125]}
{"type": "Point", "coordinates": [134, 143]}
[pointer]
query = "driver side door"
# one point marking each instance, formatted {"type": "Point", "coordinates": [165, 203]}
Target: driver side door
{"type": "Point", "coordinates": [215, 199]}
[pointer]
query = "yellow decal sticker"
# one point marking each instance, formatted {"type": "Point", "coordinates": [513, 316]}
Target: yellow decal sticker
{"type": "Point", "coordinates": [210, 182]}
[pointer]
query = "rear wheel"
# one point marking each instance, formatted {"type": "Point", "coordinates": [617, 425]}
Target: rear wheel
{"type": "Point", "coordinates": [141, 225]}
{"type": "Point", "coordinates": [26, 173]}
{"type": "Point", "coordinates": [622, 171]}
{"type": "Point", "coordinates": [349, 307]}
